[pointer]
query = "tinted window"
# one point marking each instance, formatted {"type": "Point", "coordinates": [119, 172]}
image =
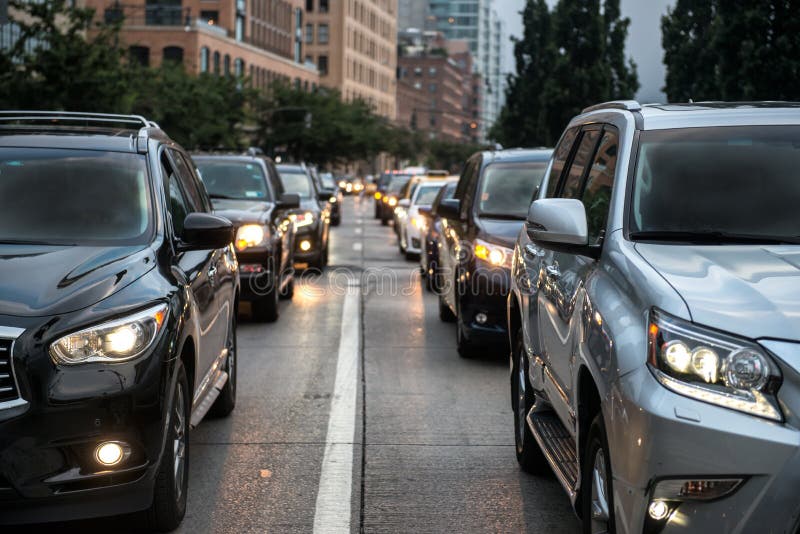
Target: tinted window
{"type": "Point", "coordinates": [238, 180]}
{"type": "Point", "coordinates": [178, 204]}
{"type": "Point", "coordinates": [188, 183]}
{"type": "Point", "coordinates": [739, 180]}
{"type": "Point", "coordinates": [296, 181]}
{"type": "Point", "coordinates": [426, 195]}
{"type": "Point", "coordinates": [573, 183]}
{"type": "Point", "coordinates": [466, 186]}
{"type": "Point", "coordinates": [507, 188]}
{"type": "Point", "coordinates": [327, 181]}
{"type": "Point", "coordinates": [597, 192]}
{"type": "Point", "coordinates": [73, 197]}
{"type": "Point", "coordinates": [560, 157]}
{"type": "Point", "coordinates": [446, 192]}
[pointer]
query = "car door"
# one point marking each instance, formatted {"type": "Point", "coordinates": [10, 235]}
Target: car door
{"type": "Point", "coordinates": [454, 234]}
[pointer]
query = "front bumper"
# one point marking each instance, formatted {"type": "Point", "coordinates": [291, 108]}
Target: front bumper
{"type": "Point", "coordinates": [485, 291]}
{"type": "Point", "coordinates": [656, 434]}
{"type": "Point", "coordinates": [47, 466]}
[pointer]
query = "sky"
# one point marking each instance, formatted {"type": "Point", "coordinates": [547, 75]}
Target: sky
{"type": "Point", "coordinates": [644, 40]}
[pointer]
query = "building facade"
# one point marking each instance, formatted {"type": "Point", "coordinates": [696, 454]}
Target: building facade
{"type": "Point", "coordinates": [255, 38]}
{"type": "Point", "coordinates": [353, 44]}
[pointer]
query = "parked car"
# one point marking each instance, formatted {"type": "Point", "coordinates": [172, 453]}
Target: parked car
{"type": "Point", "coordinates": [380, 192]}
{"type": "Point", "coordinates": [654, 315]}
{"type": "Point", "coordinates": [312, 221]}
{"type": "Point", "coordinates": [429, 259]}
{"type": "Point", "coordinates": [118, 297]}
{"type": "Point", "coordinates": [390, 197]}
{"type": "Point", "coordinates": [480, 224]}
{"type": "Point", "coordinates": [336, 197]}
{"type": "Point", "coordinates": [400, 216]}
{"type": "Point", "coordinates": [247, 190]}
{"type": "Point", "coordinates": [413, 226]}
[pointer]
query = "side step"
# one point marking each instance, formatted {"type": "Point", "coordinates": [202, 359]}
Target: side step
{"type": "Point", "coordinates": [208, 401]}
{"type": "Point", "coordinates": [558, 446]}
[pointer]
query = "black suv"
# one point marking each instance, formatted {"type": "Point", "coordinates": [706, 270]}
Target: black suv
{"type": "Point", "coordinates": [118, 301]}
{"type": "Point", "coordinates": [246, 190]}
{"type": "Point", "coordinates": [313, 220]}
{"type": "Point", "coordinates": [476, 244]}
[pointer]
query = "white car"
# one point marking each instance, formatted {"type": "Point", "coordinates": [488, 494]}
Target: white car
{"type": "Point", "coordinates": [411, 225]}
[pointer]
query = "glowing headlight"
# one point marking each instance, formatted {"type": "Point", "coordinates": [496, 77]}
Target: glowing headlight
{"type": "Point", "coordinates": [250, 235]}
{"type": "Point", "coordinates": [713, 367]}
{"type": "Point", "coordinates": [332, 200]}
{"type": "Point", "coordinates": [419, 222]}
{"type": "Point", "coordinates": [378, 195]}
{"type": "Point", "coordinates": [392, 201]}
{"type": "Point", "coordinates": [115, 341]}
{"type": "Point", "coordinates": [493, 254]}
{"type": "Point", "coordinates": [342, 184]}
{"type": "Point", "coordinates": [302, 219]}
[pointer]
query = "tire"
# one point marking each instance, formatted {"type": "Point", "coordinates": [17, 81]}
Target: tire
{"type": "Point", "coordinates": [412, 256]}
{"type": "Point", "coordinates": [172, 484]}
{"type": "Point", "coordinates": [597, 444]}
{"type": "Point", "coordinates": [445, 314]}
{"type": "Point", "coordinates": [288, 290]}
{"type": "Point", "coordinates": [325, 256]}
{"type": "Point", "coordinates": [266, 309]}
{"type": "Point", "coordinates": [384, 222]}
{"type": "Point", "coordinates": [336, 221]}
{"type": "Point", "coordinates": [529, 454]}
{"type": "Point", "coordinates": [226, 401]}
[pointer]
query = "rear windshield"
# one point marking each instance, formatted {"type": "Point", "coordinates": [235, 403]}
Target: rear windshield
{"type": "Point", "coordinates": [296, 181]}
{"type": "Point", "coordinates": [327, 181]}
{"type": "Point", "coordinates": [427, 194]}
{"type": "Point", "coordinates": [398, 183]}
{"type": "Point", "coordinates": [506, 189]}
{"type": "Point", "coordinates": [79, 197]}
{"type": "Point", "coordinates": [238, 180]}
{"type": "Point", "coordinates": [733, 180]}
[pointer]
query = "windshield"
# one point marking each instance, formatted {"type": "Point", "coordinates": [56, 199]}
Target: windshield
{"type": "Point", "coordinates": [327, 181]}
{"type": "Point", "coordinates": [236, 180]}
{"type": "Point", "coordinates": [507, 189]}
{"type": "Point", "coordinates": [296, 181]}
{"type": "Point", "coordinates": [733, 180]}
{"type": "Point", "coordinates": [397, 184]}
{"type": "Point", "coordinates": [427, 194]}
{"type": "Point", "coordinates": [78, 197]}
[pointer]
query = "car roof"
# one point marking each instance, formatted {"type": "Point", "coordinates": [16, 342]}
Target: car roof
{"type": "Point", "coordinates": [226, 157]}
{"type": "Point", "coordinates": [290, 167]}
{"type": "Point", "coordinates": [105, 141]}
{"type": "Point", "coordinates": [513, 155]}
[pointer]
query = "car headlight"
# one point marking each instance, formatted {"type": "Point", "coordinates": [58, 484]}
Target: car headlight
{"type": "Point", "coordinates": [392, 201]}
{"type": "Point", "coordinates": [713, 367]}
{"type": "Point", "coordinates": [250, 235]}
{"type": "Point", "coordinates": [302, 219]}
{"type": "Point", "coordinates": [493, 254]}
{"type": "Point", "coordinates": [419, 223]}
{"type": "Point", "coordinates": [115, 341]}
{"type": "Point", "coordinates": [332, 200]}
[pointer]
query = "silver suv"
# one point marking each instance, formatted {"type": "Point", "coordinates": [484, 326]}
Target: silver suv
{"type": "Point", "coordinates": [655, 318]}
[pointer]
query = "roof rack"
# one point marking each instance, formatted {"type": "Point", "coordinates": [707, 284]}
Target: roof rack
{"type": "Point", "coordinates": [49, 117]}
{"type": "Point", "coordinates": [627, 105]}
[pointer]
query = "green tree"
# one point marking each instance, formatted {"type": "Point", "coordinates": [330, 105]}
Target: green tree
{"type": "Point", "coordinates": [690, 60]}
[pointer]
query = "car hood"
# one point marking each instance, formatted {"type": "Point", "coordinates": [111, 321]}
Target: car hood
{"type": "Point", "coordinates": [753, 291]}
{"type": "Point", "coordinates": [40, 280]}
{"type": "Point", "coordinates": [500, 231]}
{"type": "Point", "coordinates": [243, 211]}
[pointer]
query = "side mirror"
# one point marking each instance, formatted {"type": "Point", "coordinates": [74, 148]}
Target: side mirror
{"type": "Point", "coordinates": [204, 231]}
{"type": "Point", "coordinates": [450, 208]}
{"type": "Point", "coordinates": [326, 194]}
{"type": "Point", "coordinates": [404, 203]}
{"type": "Point", "coordinates": [560, 224]}
{"type": "Point", "coordinates": [289, 201]}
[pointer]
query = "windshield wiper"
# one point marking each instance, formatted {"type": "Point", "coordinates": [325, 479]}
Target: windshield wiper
{"type": "Point", "coordinates": [503, 216]}
{"type": "Point", "coordinates": [713, 237]}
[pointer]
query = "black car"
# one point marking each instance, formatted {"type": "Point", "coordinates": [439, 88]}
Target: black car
{"type": "Point", "coordinates": [429, 259]}
{"type": "Point", "coordinates": [336, 197]}
{"type": "Point", "coordinates": [380, 189]}
{"type": "Point", "coordinates": [312, 220]}
{"type": "Point", "coordinates": [479, 228]}
{"type": "Point", "coordinates": [391, 196]}
{"type": "Point", "coordinates": [246, 190]}
{"type": "Point", "coordinates": [118, 297]}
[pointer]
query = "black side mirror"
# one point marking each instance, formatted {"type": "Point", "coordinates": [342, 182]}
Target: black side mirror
{"type": "Point", "coordinates": [450, 208]}
{"type": "Point", "coordinates": [204, 231]}
{"type": "Point", "coordinates": [289, 201]}
{"type": "Point", "coordinates": [326, 194]}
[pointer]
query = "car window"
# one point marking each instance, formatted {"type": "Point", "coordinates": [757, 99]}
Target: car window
{"type": "Point", "coordinates": [427, 194]}
{"type": "Point", "coordinates": [296, 181]}
{"type": "Point", "coordinates": [188, 184]}
{"type": "Point", "coordinates": [398, 183]}
{"type": "Point", "coordinates": [469, 186]}
{"type": "Point", "coordinates": [506, 189]}
{"type": "Point", "coordinates": [328, 181]}
{"type": "Point", "coordinates": [179, 206]}
{"type": "Point", "coordinates": [446, 192]}
{"type": "Point", "coordinates": [597, 191]}
{"type": "Point", "coordinates": [238, 180]}
{"type": "Point", "coordinates": [80, 197]}
{"type": "Point", "coordinates": [560, 157]}
{"type": "Point", "coordinates": [573, 182]}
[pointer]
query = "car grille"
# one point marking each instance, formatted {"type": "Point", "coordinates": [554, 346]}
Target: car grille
{"type": "Point", "coordinates": [8, 387]}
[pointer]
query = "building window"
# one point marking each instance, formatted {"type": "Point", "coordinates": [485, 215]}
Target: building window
{"type": "Point", "coordinates": [417, 71]}
{"type": "Point", "coordinates": [204, 59]}
{"type": "Point", "coordinates": [432, 71]}
{"type": "Point", "coordinates": [209, 17]}
{"type": "Point", "coordinates": [309, 5]}
{"type": "Point", "coordinates": [239, 28]}
{"type": "Point", "coordinates": [238, 67]}
{"type": "Point", "coordinates": [173, 54]}
{"type": "Point", "coordinates": [417, 86]}
{"type": "Point", "coordinates": [322, 33]}
{"type": "Point", "coordinates": [309, 33]}
{"type": "Point", "coordinates": [298, 27]}
{"type": "Point", "coordinates": [323, 6]}
{"type": "Point", "coordinates": [140, 55]}
{"type": "Point", "coordinates": [433, 121]}
{"type": "Point", "coordinates": [432, 87]}
{"type": "Point", "coordinates": [322, 65]}
{"type": "Point", "coordinates": [217, 61]}
{"type": "Point", "coordinates": [227, 65]}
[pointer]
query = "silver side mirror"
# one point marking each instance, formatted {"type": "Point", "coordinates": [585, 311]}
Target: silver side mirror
{"type": "Point", "coordinates": [560, 221]}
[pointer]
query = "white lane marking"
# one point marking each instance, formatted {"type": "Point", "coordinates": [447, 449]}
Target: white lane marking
{"type": "Point", "coordinates": [357, 246]}
{"type": "Point", "coordinates": [332, 513]}
{"type": "Point", "coordinates": [358, 230]}
{"type": "Point", "coordinates": [359, 221]}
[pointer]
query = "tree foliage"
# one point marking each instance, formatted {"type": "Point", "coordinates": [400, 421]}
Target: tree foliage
{"type": "Point", "coordinates": [732, 50]}
{"type": "Point", "coordinates": [568, 58]}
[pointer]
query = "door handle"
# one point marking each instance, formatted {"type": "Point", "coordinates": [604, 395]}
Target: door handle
{"type": "Point", "coordinates": [531, 251]}
{"type": "Point", "coordinates": [553, 271]}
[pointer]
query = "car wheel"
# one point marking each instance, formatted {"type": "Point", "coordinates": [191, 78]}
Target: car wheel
{"type": "Point", "coordinates": [266, 309]}
{"type": "Point", "coordinates": [288, 290]}
{"type": "Point", "coordinates": [445, 314]}
{"type": "Point", "coordinates": [597, 496]}
{"type": "Point", "coordinates": [529, 454]}
{"type": "Point", "coordinates": [325, 256]}
{"type": "Point", "coordinates": [384, 222]}
{"type": "Point", "coordinates": [226, 401]}
{"type": "Point", "coordinates": [336, 221]}
{"type": "Point", "coordinates": [172, 480]}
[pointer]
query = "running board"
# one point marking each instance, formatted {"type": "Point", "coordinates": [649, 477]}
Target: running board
{"type": "Point", "coordinates": [208, 401]}
{"type": "Point", "coordinates": [558, 446]}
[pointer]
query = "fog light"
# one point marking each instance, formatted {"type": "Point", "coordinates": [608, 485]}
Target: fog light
{"type": "Point", "coordinates": [658, 510]}
{"type": "Point", "coordinates": [305, 245]}
{"type": "Point", "coordinates": [695, 490]}
{"type": "Point", "coordinates": [481, 318]}
{"type": "Point", "coordinates": [109, 453]}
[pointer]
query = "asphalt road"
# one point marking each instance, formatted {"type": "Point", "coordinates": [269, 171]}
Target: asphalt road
{"type": "Point", "coordinates": [359, 392]}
